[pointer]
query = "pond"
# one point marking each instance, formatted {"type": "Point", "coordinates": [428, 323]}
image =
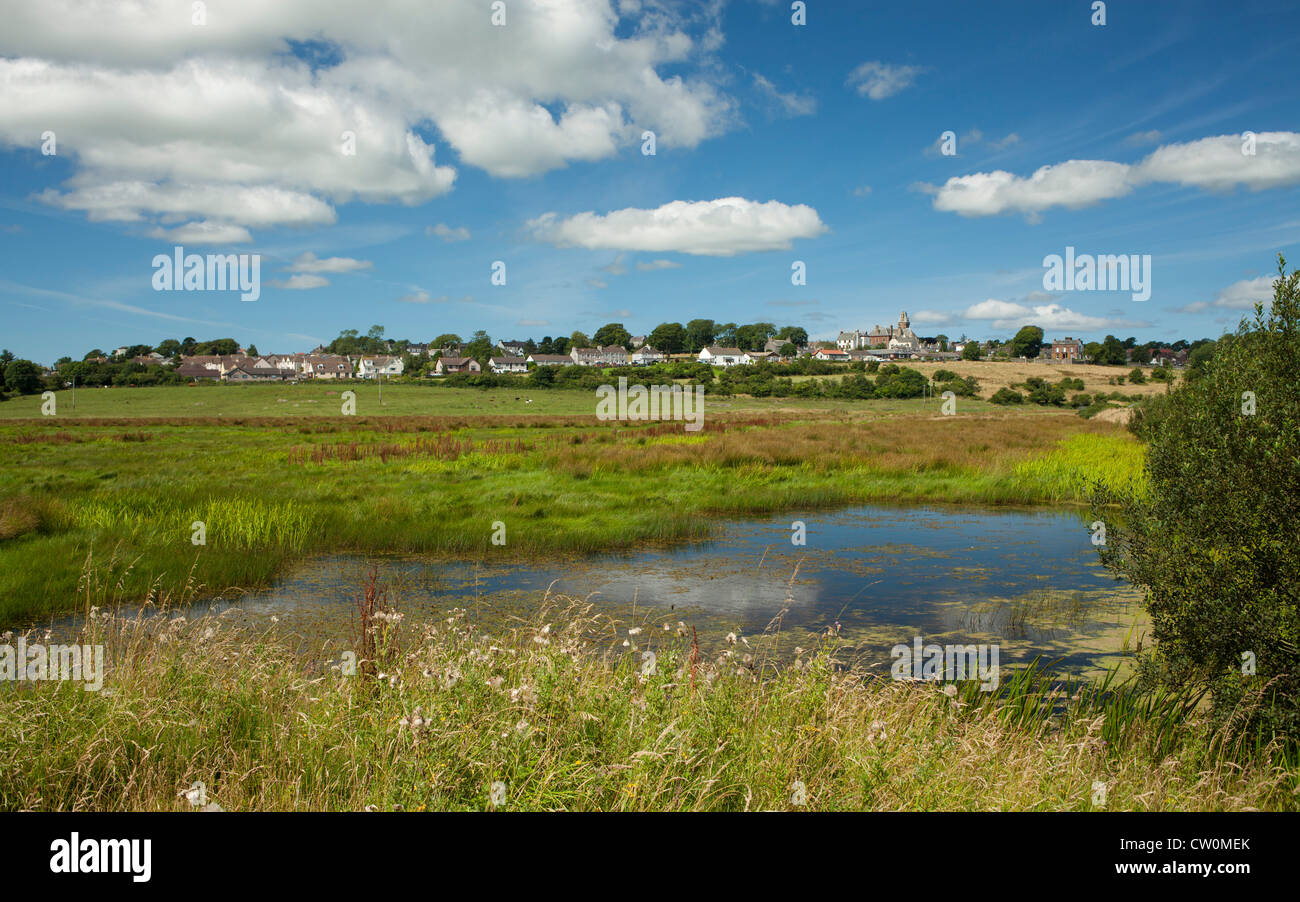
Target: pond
{"type": "Point", "coordinates": [1027, 580]}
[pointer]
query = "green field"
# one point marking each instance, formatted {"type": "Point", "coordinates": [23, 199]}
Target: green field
{"type": "Point", "coordinates": [321, 399]}
{"type": "Point", "coordinates": [104, 507]}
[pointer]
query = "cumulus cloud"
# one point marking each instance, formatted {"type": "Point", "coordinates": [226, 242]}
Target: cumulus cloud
{"type": "Point", "coordinates": [717, 228]}
{"type": "Point", "coordinates": [1076, 183]}
{"type": "Point", "coordinates": [310, 263]}
{"type": "Point", "coordinates": [879, 80]}
{"type": "Point", "coordinates": [234, 124]}
{"type": "Point", "coordinates": [1214, 164]}
{"type": "Point", "coordinates": [1238, 296]}
{"type": "Point", "coordinates": [1011, 315]}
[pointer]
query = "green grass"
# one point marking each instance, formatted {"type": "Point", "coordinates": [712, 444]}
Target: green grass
{"type": "Point", "coordinates": [1085, 460]}
{"type": "Point", "coordinates": [565, 714]}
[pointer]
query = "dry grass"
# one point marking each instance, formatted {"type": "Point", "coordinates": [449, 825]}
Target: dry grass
{"type": "Point", "coordinates": [993, 376]}
{"type": "Point", "coordinates": [566, 713]}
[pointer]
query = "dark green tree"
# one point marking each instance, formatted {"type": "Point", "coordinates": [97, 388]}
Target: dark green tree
{"type": "Point", "coordinates": [1212, 541]}
{"type": "Point", "coordinates": [1028, 342]}
{"type": "Point", "coordinates": [670, 338]}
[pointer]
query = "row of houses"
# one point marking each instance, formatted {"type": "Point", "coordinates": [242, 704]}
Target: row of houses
{"type": "Point", "coordinates": [285, 367]}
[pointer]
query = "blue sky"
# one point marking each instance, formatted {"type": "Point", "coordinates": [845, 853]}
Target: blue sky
{"type": "Point", "coordinates": [775, 143]}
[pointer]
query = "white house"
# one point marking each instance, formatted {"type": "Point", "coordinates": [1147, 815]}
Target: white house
{"type": "Point", "coordinates": [373, 367]}
{"type": "Point", "coordinates": [586, 356]}
{"type": "Point", "coordinates": [508, 364]}
{"type": "Point", "coordinates": [550, 359]}
{"type": "Point", "coordinates": [715, 356]}
{"type": "Point", "coordinates": [833, 354]}
{"type": "Point", "coordinates": [646, 355]}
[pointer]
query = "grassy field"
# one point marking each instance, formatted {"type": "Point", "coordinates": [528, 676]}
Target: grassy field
{"type": "Point", "coordinates": [123, 495]}
{"type": "Point", "coordinates": [406, 399]}
{"type": "Point", "coordinates": [566, 712]}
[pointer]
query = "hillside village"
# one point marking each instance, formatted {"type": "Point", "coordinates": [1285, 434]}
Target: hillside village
{"type": "Point", "coordinates": [892, 343]}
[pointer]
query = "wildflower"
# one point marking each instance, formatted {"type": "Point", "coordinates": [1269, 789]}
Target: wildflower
{"type": "Point", "coordinates": [950, 690]}
{"type": "Point", "coordinates": [731, 638]}
{"type": "Point", "coordinates": [495, 682]}
{"type": "Point", "coordinates": [415, 720]}
{"type": "Point", "coordinates": [634, 631]}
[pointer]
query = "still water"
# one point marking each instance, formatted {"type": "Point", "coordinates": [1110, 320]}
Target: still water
{"type": "Point", "coordinates": [1027, 580]}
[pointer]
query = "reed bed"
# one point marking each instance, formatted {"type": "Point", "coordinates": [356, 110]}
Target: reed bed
{"type": "Point", "coordinates": [573, 710]}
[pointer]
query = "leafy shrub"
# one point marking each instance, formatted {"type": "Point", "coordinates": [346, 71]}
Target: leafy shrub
{"type": "Point", "coordinates": [1007, 396]}
{"type": "Point", "coordinates": [1213, 542]}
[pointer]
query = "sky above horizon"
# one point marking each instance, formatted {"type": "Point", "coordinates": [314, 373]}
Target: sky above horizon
{"type": "Point", "coordinates": [522, 143]}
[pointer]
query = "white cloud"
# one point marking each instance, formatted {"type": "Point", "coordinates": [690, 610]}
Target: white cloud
{"type": "Point", "coordinates": [719, 228]}
{"type": "Point", "coordinates": [446, 232]}
{"type": "Point", "coordinates": [931, 317]}
{"type": "Point", "coordinates": [163, 119]}
{"type": "Point", "coordinates": [788, 103]}
{"type": "Point", "coordinates": [1218, 164]}
{"type": "Point", "coordinates": [862, 191]}
{"type": "Point", "coordinates": [310, 263]}
{"type": "Point", "coordinates": [1215, 164]}
{"type": "Point", "coordinates": [1139, 138]}
{"type": "Point", "coordinates": [420, 296]}
{"type": "Point", "coordinates": [652, 265]}
{"type": "Point", "coordinates": [1076, 183]}
{"type": "Point", "coordinates": [1237, 296]}
{"type": "Point", "coordinates": [204, 232]}
{"type": "Point", "coordinates": [879, 80]}
{"type": "Point", "coordinates": [1010, 315]}
{"type": "Point", "coordinates": [304, 282]}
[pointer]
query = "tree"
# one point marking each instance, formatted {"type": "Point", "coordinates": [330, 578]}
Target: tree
{"type": "Point", "coordinates": [252, 351]}
{"type": "Point", "coordinates": [22, 376]}
{"type": "Point", "coordinates": [579, 340]}
{"type": "Point", "coordinates": [753, 336]}
{"type": "Point", "coordinates": [1028, 342]}
{"type": "Point", "coordinates": [943, 342]}
{"type": "Point", "coordinates": [612, 334]}
{"type": "Point", "coordinates": [1092, 350]}
{"type": "Point", "coordinates": [1111, 353]}
{"type": "Point", "coordinates": [1137, 377]}
{"type": "Point", "coordinates": [971, 351]}
{"type": "Point", "coordinates": [1198, 358]}
{"type": "Point", "coordinates": [479, 347]}
{"type": "Point", "coordinates": [447, 340]}
{"type": "Point", "coordinates": [670, 338]}
{"type": "Point", "coordinates": [1141, 355]}
{"type": "Point", "coordinates": [788, 349]}
{"type": "Point", "coordinates": [796, 334]}
{"type": "Point", "coordinates": [219, 346]}
{"type": "Point", "coordinates": [700, 333]}
{"type": "Point", "coordinates": [169, 347]}
{"type": "Point", "coordinates": [1212, 540]}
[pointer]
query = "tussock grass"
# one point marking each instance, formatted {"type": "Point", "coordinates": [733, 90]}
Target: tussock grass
{"type": "Point", "coordinates": [565, 711]}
